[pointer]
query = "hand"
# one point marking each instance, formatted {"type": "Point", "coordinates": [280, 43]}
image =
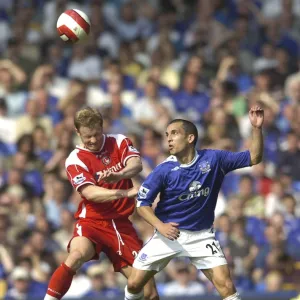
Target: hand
{"type": "Point", "coordinates": [6, 63]}
{"type": "Point", "coordinates": [169, 230]}
{"type": "Point", "coordinates": [256, 116]}
{"type": "Point", "coordinates": [130, 193]}
{"type": "Point", "coordinates": [76, 89]}
{"type": "Point", "coordinates": [228, 62]}
{"type": "Point", "coordinates": [110, 177]}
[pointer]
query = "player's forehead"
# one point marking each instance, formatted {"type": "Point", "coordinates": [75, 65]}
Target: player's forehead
{"type": "Point", "coordinates": [90, 131]}
{"type": "Point", "coordinates": [177, 126]}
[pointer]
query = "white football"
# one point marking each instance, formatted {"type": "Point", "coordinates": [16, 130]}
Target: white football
{"type": "Point", "coordinates": [73, 25]}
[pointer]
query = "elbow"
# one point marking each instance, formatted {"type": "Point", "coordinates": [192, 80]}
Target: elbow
{"type": "Point", "coordinates": [141, 209]}
{"type": "Point", "coordinates": [139, 168]}
{"type": "Point", "coordinates": [138, 165]}
{"type": "Point", "coordinates": [88, 192]}
{"type": "Point", "coordinates": [256, 159]}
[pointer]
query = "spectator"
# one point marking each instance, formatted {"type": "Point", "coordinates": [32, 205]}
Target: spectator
{"type": "Point", "coordinates": [273, 282]}
{"type": "Point", "coordinates": [152, 107]}
{"type": "Point", "coordinates": [289, 158]}
{"type": "Point", "coordinates": [242, 249]}
{"type": "Point", "coordinates": [29, 121]}
{"type": "Point", "coordinates": [97, 273]}
{"type": "Point", "coordinates": [253, 203]}
{"type": "Point", "coordinates": [21, 286]}
{"type": "Point", "coordinates": [182, 285]}
{"type": "Point", "coordinates": [84, 66]}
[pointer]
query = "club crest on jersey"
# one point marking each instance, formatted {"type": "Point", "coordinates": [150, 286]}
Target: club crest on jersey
{"type": "Point", "coordinates": [204, 167]}
{"type": "Point", "coordinates": [143, 257]}
{"type": "Point", "coordinates": [78, 179]}
{"type": "Point", "coordinates": [106, 160]}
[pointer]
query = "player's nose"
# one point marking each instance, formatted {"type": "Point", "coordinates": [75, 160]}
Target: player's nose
{"type": "Point", "coordinates": [93, 140]}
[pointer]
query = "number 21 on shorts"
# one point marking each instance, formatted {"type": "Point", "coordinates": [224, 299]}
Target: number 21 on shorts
{"type": "Point", "coordinates": [213, 247]}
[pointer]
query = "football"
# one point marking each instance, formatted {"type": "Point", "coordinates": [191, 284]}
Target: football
{"type": "Point", "coordinates": [73, 25]}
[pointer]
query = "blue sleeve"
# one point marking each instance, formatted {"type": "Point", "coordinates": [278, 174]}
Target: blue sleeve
{"type": "Point", "coordinates": [150, 188]}
{"type": "Point", "coordinates": [230, 161]}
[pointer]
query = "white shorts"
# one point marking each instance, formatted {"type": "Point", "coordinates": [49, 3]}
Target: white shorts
{"type": "Point", "coordinates": [200, 247]}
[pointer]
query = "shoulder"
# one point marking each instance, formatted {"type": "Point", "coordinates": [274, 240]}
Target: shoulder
{"type": "Point", "coordinates": [167, 165]}
{"type": "Point", "coordinates": [208, 152]}
{"type": "Point", "coordinates": [171, 160]}
{"type": "Point", "coordinates": [116, 138]}
{"type": "Point", "coordinates": [76, 157]}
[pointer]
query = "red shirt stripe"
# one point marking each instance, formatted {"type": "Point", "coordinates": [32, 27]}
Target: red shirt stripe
{"type": "Point", "coordinates": [79, 20]}
{"type": "Point", "coordinates": [63, 29]}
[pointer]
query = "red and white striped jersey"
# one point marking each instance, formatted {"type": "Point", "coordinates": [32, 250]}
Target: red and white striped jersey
{"type": "Point", "coordinates": [83, 167]}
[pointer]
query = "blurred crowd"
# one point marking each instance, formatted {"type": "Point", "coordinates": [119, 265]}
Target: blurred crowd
{"type": "Point", "coordinates": [145, 63]}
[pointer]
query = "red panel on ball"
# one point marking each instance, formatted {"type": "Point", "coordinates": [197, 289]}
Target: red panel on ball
{"type": "Point", "coordinates": [79, 20]}
{"type": "Point", "coordinates": [63, 29]}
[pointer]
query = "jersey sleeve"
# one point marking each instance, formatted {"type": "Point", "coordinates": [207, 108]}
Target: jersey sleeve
{"type": "Point", "coordinates": [127, 150]}
{"type": "Point", "coordinates": [79, 176]}
{"type": "Point", "coordinates": [150, 188]}
{"type": "Point", "coordinates": [230, 161]}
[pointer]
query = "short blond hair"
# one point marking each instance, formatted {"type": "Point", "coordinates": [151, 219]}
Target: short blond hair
{"type": "Point", "coordinates": [88, 117]}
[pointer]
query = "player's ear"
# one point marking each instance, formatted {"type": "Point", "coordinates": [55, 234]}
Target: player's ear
{"type": "Point", "coordinates": [191, 138]}
{"type": "Point", "coordinates": [77, 132]}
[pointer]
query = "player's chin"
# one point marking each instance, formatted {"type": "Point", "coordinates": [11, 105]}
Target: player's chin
{"type": "Point", "coordinates": [93, 147]}
{"type": "Point", "coordinates": [172, 151]}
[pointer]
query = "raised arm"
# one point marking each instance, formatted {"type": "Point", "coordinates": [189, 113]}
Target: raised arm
{"type": "Point", "coordinates": [256, 116]}
{"type": "Point", "coordinates": [18, 74]}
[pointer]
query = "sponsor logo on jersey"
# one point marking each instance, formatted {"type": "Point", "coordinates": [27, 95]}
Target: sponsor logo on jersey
{"type": "Point", "coordinates": [195, 190]}
{"type": "Point", "coordinates": [106, 160]}
{"type": "Point", "coordinates": [79, 179]}
{"type": "Point", "coordinates": [143, 192]}
{"type": "Point", "coordinates": [204, 167]}
{"type": "Point", "coordinates": [132, 149]}
{"type": "Point", "coordinates": [115, 168]}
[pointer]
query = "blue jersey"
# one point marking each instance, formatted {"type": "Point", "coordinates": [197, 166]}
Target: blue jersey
{"type": "Point", "coordinates": [189, 192]}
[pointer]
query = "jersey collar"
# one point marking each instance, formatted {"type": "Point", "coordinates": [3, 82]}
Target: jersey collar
{"type": "Point", "coordinates": [192, 162]}
{"type": "Point", "coordinates": [84, 149]}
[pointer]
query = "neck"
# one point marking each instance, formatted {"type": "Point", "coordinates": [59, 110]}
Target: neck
{"type": "Point", "coordinates": [152, 99]}
{"type": "Point", "coordinates": [187, 156]}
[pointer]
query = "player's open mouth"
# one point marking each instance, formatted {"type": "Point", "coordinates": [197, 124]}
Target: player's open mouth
{"type": "Point", "coordinates": [170, 147]}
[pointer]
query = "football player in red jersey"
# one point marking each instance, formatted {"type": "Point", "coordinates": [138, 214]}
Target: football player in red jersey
{"type": "Point", "coordinates": [100, 169]}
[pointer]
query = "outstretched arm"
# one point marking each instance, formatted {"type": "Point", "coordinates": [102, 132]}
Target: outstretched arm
{"type": "Point", "coordinates": [256, 116]}
{"type": "Point", "coordinates": [98, 194]}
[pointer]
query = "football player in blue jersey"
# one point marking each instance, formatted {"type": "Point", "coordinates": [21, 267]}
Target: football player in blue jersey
{"type": "Point", "coordinates": [189, 182]}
